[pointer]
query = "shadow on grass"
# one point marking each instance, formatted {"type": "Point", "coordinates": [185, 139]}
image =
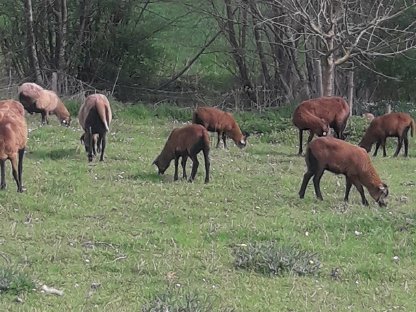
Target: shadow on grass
{"type": "Point", "coordinates": [53, 154]}
{"type": "Point", "coordinates": [273, 152]}
{"type": "Point", "coordinates": [147, 176]}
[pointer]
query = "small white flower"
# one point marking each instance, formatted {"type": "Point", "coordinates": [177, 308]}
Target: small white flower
{"type": "Point", "coordinates": [357, 233]}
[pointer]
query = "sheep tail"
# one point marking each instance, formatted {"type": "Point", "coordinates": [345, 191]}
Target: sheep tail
{"type": "Point", "coordinates": [102, 112]}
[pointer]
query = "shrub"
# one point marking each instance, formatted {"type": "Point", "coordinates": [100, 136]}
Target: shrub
{"type": "Point", "coordinates": [271, 259]}
{"type": "Point", "coordinates": [14, 282]}
{"type": "Point", "coordinates": [178, 300]}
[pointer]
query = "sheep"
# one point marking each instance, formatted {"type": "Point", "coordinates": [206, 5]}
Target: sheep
{"type": "Point", "coordinates": [388, 125]}
{"type": "Point", "coordinates": [340, 157]}
{"type": "Point", "coordinates": [35, 99]}
{"type": "Point", "coordinates": [318, 115]}
{"type": "Point", "coordinates": [216, 120]}
{"type": "Point", "coordinates": [14, 106]}
{"type": "Point", "coordinates": [368, 116]}
{"type": "Point", "coordinates": [13, 139]}
{"type": "Point", "coordinates": [95, 117]}
{"type": "Point", "coordinates": [183, 142]}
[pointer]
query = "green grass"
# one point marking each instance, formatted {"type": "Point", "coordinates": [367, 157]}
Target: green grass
{"type": "Point", "coordinates": [140, 236]}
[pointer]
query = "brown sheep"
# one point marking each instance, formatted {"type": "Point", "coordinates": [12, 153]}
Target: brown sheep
{"type": "Point", "coordinates": [35, 99]}
{"type": "Point", "coordinates": [341, 157]}
{"type": "Point", "coordinates": [216, 120]}
{"type": "Point", "coordinates": [95, 117]}
{"type": "Point", "coordinates": [388, 125]}
{"type": "Point", "coordinates": [14, 106]}
{"type": "Point", "coordinates": [318, 115]}
{"type": "Point", "coordinates": [184, 142]}
{"type": "Point", "coordinates": [13, 139]}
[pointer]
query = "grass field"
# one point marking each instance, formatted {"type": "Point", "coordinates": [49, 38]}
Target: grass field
{"type": "Point", "coordinates": [114, 236]}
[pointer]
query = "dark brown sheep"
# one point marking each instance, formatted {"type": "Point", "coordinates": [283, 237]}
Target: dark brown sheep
{"type": "Point", "coordinates": [185, 142]}
{"type": "Point", "coordinates": [320, 114]}
{"type": "Point", "coordinates": [389, 125]}
{"type": "Point", "coordinates": [216, 120]}
{"type": "Point", "coordinates": [95, 117]}
{"type": "Point", "coordinates": [341, 157]}
{"type": "Point", "coordinates": [35, 99]}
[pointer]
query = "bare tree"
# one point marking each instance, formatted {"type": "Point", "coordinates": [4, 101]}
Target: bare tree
{"type": "Point", "coordinates": [340, 31]}
{"type": "Point", "coordinates": [32, 52]}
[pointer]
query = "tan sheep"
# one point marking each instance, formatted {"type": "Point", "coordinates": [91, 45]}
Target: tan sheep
{"type": "Point", "coordinates": [35, 99]}
{"type": "Point", "coordinates": [95, 117]}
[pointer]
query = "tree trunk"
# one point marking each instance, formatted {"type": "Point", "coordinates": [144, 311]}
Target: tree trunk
{"type": "Point", "coordinates": [31, 39]}
{"type": "Point", "coordinates": [237, 53]}
{"type": "Point", "coordinates": [351, 90]}
{"type": "Point", "coordinates": [259, 45]}
{"type": "Point", "coordinates": [318, 71]}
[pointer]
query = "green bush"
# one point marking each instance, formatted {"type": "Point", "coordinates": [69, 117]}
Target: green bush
{"type": "Point", "coordinates": [14, 282]}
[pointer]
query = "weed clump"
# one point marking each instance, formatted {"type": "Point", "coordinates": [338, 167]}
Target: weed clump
{"type": "Point", "coordinates": [181, 301]}
{"type": "Point", "coordinates": [13, 282]}
{"type": "Point", "coordinates": [271, 259]}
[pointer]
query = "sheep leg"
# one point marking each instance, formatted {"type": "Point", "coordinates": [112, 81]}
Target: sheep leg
{"type": "Point", "coordinates": [15, 173]}
{"type": "Point", "coordinates": [311, 134]}
{"type": "Point", "coordinates": [219, 139]}
{"type": "Point", "coordinates": [383, 144]}
{"type": "Point", "coordinates": [399, 146]}
{"type": "Point", "coordinates": [360, 189]}
{"type": "Point", "coordinates": [317, 181]}
{"type": "Point", "coordinates": [183, 163]}
{"type": "Point", "coordinates": [224, 137]}
{"type": "Point", "coordinates": [306, 177]}
{"type": "Point", "coordinates": [103, 140]}
{"type": "Point", "coordinates": [175, 176]}
{"type": "Point", "coordinates": [20, 167]}
{"type": "Point", "coordinates": [377, 146]}
{"type": "Point", "coordinates": [406, 145]}
{"type": "Point", "coordinates": [207, 164]}
{"type": "Point", "coordinates": [195, 164]}
{"type": "Point", "coordinates": [45, 119]}
{"type": "Point", "coordinates": [3, 180]}
{"type": "Point", "coordinates": [348, 185]}
{"type": "Point", "coordinates": [300, 141]}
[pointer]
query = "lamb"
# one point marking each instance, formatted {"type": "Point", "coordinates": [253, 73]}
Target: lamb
{"type": "Point", "coordinates": [35, 99]}
{"type": "Point", "coordinates": [184, 142]}
{"type": "Point", "coordinates": [216, 120]}
{"type": "Point", "coordinates": [318, 115]}
{"type": "Point", "coordinates": [340, 157]}
{"type": "Point", "coordinates": [14, 106]}
{"type": "Point", "coordinates": [388, 125]}
{"type": "Point", "coordinates": [13, 139]}
{"type": "Point", "coordinates": [95, 117]}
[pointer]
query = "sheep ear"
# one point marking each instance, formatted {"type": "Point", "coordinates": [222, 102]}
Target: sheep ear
{"type": "Point", "coordinates": [383, 187]}
{"type": "Point", "coordinates": [246, 134]}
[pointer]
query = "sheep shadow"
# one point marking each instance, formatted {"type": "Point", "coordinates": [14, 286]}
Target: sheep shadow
{"type": "Point", "coordinates": [53, 154]}
{"type": "Point", "coordinates": [146, 176]}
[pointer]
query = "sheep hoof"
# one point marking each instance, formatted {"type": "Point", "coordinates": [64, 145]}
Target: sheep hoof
{"type": "Point", "coordinates": [3, 186]}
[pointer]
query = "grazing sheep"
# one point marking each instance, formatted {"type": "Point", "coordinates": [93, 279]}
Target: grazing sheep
{"type": "Point", "coordinates": [368, 116]}
{"type": "Point", "coordinates": [317, 115]}
{"type": "Point", "coordinates": [13, 138]}
{"type": "Point", "coordinates": [340, 157]}
{"type": "Point", "coordinates": [95, 117]}
{"type": "Point", "coordinates": [184, 142]}
{"type": "Point", "coordinates": [35, 99]}
{"type": "Point", "coordinates": [388, 125]}
{"type": "Point", "coordinates": [216, 120]}
{"type": "Point", "coordinates": [14, 106]}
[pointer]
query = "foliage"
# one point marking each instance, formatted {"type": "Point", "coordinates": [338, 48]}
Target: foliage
{"type": "Point", "coordinates": [14, 282]}
{"type": "Point", "coordinates": [271, 258]}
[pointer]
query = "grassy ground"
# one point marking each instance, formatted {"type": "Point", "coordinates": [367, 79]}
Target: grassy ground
{"type": "Point", "coordinates": [114, 236]}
